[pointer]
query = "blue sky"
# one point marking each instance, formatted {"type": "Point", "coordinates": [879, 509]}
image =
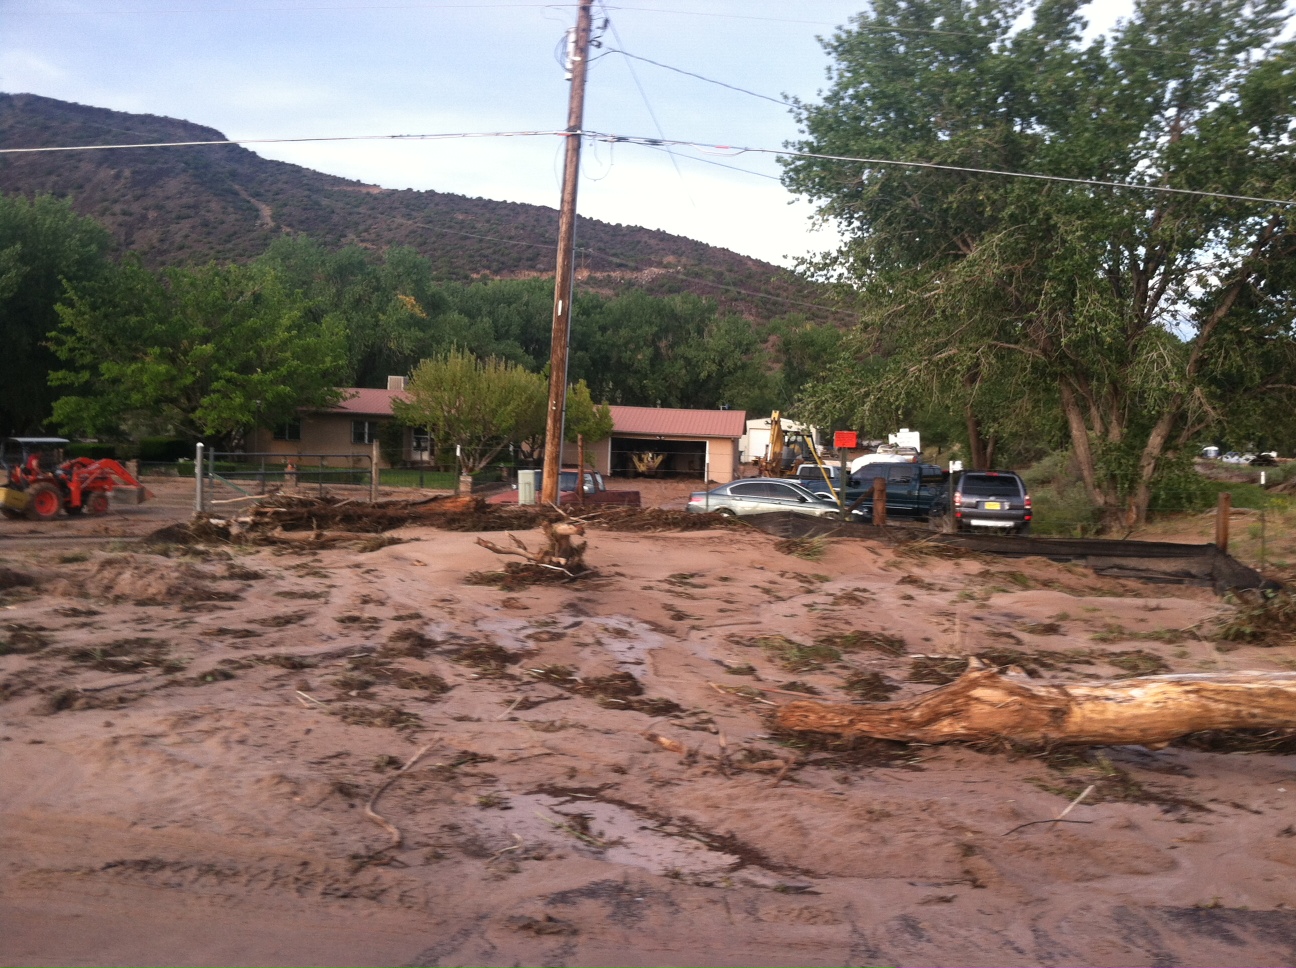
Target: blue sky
{"type": "Point", "coordinates": [300, 68]}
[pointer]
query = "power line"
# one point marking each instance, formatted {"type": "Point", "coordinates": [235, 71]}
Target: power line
{"type": "Point", "coordinates": [644, 95]}
{"type": "Point", "coordinates": [718, 164]}
{"type": "Point", "coordinates": [730, 150]}
{"type": "Point", "coordinates": [677, 70]}
{"type": "Point", "coordinates": [931, 165]}
{"type": "Point", "coordinates": [280, 141]}
{"type": "Point", "coordinates": [255, 8]}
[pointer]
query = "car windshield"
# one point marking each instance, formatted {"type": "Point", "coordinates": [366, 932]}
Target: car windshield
{"type": "Point", "coordinates": [567, 480]}
{"type": "Point", "coordinates": [991, 485]}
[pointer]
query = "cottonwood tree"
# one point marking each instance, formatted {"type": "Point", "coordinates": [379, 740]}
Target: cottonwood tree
{"type": "Point", "coordinates": [44, 245]}
{"type": "Point", "coordinates": [204, 352]}
{"type": "Point", "coordinates": [1138, 317]}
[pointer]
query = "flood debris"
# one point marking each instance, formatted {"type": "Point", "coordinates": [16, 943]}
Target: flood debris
{"type": "Point", "coordinates": [314, 523]}
{"type": "Point", "coordinates": [560, 552]}
{"type": "Point", "coordinates": [983, 705]}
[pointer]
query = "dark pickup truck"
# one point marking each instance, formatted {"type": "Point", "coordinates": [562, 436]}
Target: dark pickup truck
{"type": "Point", "coordinates": [911, 489]}
{"type": "Point", "coordinates": [596, 492]}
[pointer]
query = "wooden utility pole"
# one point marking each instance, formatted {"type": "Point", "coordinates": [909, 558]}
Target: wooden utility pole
{"type": "Point", "coordinates": [566, 254]}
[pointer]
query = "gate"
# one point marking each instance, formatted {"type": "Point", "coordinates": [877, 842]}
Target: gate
{"type": "Point", "coordinates": [249, 476]}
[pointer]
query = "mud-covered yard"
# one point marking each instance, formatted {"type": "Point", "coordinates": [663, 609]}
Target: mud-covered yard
{"type": "Point", "coordinates": [191, 741]}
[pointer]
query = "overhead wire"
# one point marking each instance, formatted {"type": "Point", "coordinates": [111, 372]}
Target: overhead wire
{"type": "Point", "coordinates": [644, 95]}
{"type": "Point", "coordinates": [729, 150]}
{"type": "Point", "coordinates": [709, 80]}
{"type": "Point", "coordinates": [447, 136]}
{"type": "Point", "coordinates": [262, 8]}
{"type": "Point", "coordinates": [936, 166]}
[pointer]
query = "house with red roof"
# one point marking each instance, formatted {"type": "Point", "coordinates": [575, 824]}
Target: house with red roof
{"type": "Point", "coordinates": [659, 441]}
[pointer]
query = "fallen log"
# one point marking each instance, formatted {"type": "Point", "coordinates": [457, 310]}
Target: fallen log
{"type": "Point", "coordinates": [984, 706]}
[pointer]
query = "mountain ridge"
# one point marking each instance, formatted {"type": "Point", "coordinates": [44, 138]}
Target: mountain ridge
{"type": "Point", "coordinates": [226, 203]}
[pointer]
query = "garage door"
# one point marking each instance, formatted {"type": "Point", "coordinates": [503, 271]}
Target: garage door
{"type": "Point", "coordinates": [681, 459]}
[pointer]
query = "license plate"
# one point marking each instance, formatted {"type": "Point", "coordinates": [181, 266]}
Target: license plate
{"type": "Point", "coordinates": [993, 506]}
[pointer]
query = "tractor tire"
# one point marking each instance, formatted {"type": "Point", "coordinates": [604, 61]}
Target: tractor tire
{"type": "Point", "coordinates": [46, 502]}
{"type": "Point", "coordinates": [11, 514]}
{"type": "Point", "coordinates": [96, 504]}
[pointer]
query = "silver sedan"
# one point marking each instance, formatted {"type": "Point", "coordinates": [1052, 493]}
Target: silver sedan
{"type": "Point", "coordinates": [765, 497]}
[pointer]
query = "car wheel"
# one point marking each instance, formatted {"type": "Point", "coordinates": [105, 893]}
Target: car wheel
{"type": "Point", "coordinates": [1024, 529]}
{"type": "Point", "coordinates": [727, 512]}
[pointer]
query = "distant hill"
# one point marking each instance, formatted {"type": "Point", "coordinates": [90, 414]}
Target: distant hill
{"type": "Point", "coordinates": [223, 202]}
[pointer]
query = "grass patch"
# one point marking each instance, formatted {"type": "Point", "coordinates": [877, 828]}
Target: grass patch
{"type": "Point", "coordinates": [23, 640]}
{"type": "Point", "coordinates": [126, 655]}
{"type": "Point", "coordinates": [858, 641]}
{"type": "Point", "coordinates": [1112, 784]}
{"type": "Point", "coordinates": [796, 657]}
{"type": "Point", "coordinates": [808, 549]}
{"type": "Point", "coordinates": [1136, 662]}
{"type": "Point", "coordinates": [1264, 617]}
{"type": "Point", "coordinates": [487, 658]}
{"type": "Point", "coordinates": [387, 717]}
{"type": "Point", "coordinates": [870, 686]}
{"type": "Point", "coordinates": [936, 670]}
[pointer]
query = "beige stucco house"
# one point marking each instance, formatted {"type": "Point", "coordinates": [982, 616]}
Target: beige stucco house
{"type": "Point", "coordinates": [691, 444]}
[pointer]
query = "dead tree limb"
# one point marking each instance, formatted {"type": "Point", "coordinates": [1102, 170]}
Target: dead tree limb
{"type": "Point", "coordinates": [983, 706]}
{"type": "Point", "coordinates": [559, 551]}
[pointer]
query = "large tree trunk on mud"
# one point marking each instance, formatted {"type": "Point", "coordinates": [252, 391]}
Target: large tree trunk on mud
{"type": "Point", "coordinates": [984, 705]}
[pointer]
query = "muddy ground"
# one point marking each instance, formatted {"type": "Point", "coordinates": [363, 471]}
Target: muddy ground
{"type": "Point", "coordinates": [190, 737]}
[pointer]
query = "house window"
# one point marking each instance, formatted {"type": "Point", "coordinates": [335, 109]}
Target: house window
{"type": "Point", "coordinates": [288, 431]}
{"type": "Point", "coordinates": [364, 431]}
{"type": "Point", "coordinates": [421, 445]}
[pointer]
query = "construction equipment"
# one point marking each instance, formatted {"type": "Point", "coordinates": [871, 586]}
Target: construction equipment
{"type": "Point", "coordinates": [37, 485]}
{"type": "Point", "coordinates": [787, 449]}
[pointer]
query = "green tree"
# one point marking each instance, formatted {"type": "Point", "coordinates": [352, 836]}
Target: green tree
{"type": "Point", "coordinates": [585, 418]}
{"type": "Point", "coordinates": [1135, 318]}
{"type": "Point", "coordinates": [475, 406]}
{"type": "Point", "coordinates": [204, 352]}
{"type": "Point", "coordinates": [43, 245]}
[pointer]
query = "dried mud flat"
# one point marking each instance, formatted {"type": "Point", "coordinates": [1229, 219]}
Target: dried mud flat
{"type": "Point", "coordinates": [190, 740]}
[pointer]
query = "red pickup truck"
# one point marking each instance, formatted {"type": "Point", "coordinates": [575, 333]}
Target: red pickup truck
{"type": "Point", "coordinates": [596, 491]}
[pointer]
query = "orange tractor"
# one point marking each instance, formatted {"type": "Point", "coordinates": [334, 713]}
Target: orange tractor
{"type": "Point", "coordinates": [38, 484]}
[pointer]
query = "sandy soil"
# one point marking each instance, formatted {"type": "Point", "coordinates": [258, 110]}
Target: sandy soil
{"type": "Point", "coordinates": [188, 744]}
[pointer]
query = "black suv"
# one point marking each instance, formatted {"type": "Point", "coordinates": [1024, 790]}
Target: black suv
{"type": "Point", "coordinates": [987, 500]}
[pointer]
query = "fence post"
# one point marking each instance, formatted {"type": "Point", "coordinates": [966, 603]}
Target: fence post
{"type": "Point", "coordinates": [1222, 510]}
{"type": "Point", "coordinates": [199, 471]}
{"type": "Point", "coordinates": [373, 474]}
{"type": "Point", "coordinates": [879, 501]}
{"type": "Point", "coordinates": [580, 472]}
{"type": "Point", "coordinates": [1264, 504]}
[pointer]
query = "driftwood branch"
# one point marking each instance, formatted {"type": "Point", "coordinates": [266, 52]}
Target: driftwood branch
{"type": "Point", "coordinates": [559, 550]}
{"type": "Point", "coordinates": [983, 705]}
{"type": "Point", "coordinates": [392, 830]}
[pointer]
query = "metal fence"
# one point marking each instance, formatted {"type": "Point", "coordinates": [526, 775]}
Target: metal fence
{"type": "Point", "coordinates": [254, 474]}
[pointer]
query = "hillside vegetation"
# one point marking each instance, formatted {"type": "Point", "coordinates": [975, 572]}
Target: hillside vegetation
{"type": "Point", "coordinates": [188, 206]}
